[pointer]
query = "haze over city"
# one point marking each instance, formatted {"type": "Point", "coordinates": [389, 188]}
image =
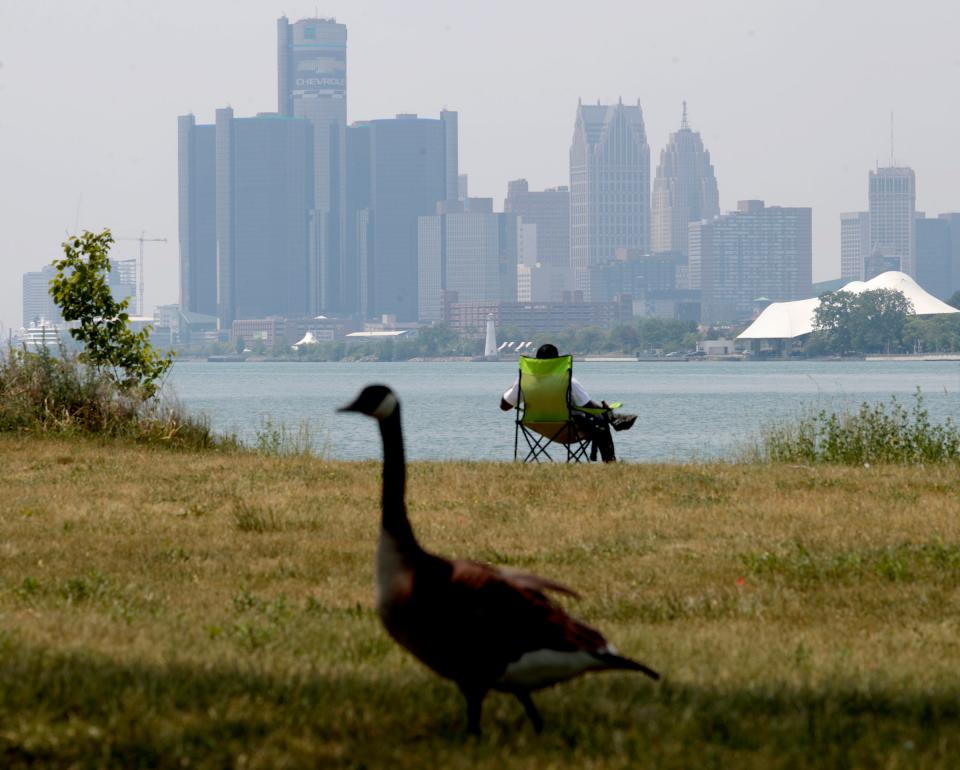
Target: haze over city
{"type": "Point", "coordinates": [793, 101]}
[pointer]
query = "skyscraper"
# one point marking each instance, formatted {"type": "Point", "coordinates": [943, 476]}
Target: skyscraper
{"type": "Point", "coordinates": [633, 273]}
{"type": "Point", "coordinates": [549, 210]}
{"type": "Point", "coordinates": [609, 185]}
{"type": "Point", "coordinates": [934, 256]}
{"type": "Point", "coordinates": [892, 192]}
{"type": "Point", "coordinates": [854, 244]}
{"type": "Point", "coordinates": [264, 196]}
{"type": "Point", "coordinates": [684, 190]}
{"type": "Point", "coordinates": [38, 305]}
{"type": "Point", "coordinates": [754, 252]}
{"type": "Point", "coordinates": [399, 169]}
{"type": "Point", "coordinates": [468, 251]}
{"type": "Point", "coordinates": [312, 84]}
{"type": "Point", "coordinates": [953, 221]}
{"type": "Point", "coordinates": [197, 216]}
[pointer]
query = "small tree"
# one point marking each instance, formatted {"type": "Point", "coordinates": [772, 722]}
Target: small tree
{"type": "Point", "coordinates": [82, 291]}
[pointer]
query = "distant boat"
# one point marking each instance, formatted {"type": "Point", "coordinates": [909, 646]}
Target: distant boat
{"type": "Point", "coordinates": [40, 335]}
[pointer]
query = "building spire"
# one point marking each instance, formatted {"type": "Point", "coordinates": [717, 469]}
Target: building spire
{"type": "Point", "coordinates": [683, 120]}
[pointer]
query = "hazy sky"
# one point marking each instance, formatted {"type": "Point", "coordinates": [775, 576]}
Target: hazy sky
{"type": "Point", "coordinates": [793, 99]}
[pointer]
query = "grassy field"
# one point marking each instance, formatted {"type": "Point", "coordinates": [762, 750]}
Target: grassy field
{"type": "Point", "coordinates": [163, 609]}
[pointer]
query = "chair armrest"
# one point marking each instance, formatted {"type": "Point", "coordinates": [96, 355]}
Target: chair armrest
{"type": "Point", "coordinates": [598, 410]}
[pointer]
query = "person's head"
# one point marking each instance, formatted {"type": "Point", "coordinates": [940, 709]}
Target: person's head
{"type": "Point", "coordinates": [547, 351]}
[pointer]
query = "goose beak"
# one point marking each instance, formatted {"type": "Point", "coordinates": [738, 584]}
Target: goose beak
{"type": "Point", "coordinates": [351, 407]}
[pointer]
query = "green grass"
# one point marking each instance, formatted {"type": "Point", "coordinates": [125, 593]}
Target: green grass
{"type": "Point", "coordinates": [174, 609]}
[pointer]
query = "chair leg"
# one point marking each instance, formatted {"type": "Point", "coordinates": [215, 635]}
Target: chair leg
{"type": "Point", "coordinates": [537, 446]}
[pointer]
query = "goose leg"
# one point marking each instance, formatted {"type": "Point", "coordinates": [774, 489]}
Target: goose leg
{"type": "Point", "coordinates": [474, 700]}
{"type": "Point", "coordinates": [531, 709]}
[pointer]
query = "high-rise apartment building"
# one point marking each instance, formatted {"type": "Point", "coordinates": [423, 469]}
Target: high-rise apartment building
{"type": "Point", "coordinates": [854, 244]}
{"type": "Point", "coordinates": [466, 251]}
{"type": "Point", "coordinates": [756, 251]}
{"type": "Point", "coordinates": [312, 84]}
{"type": "Point", "coordinates": [123, 284]}
{"type": "Point", "coordinates": [892, 193]}
{"type": "Point", "coordinates": [609, 185]}
{"type": "Point", "coordinates": [259, 210]}
{"type": "Point", "coordinates": [935, 256]}
{"type": "Point", "coordinates": [549, 210]}
{"type": "Point", "coordinates": [399, 169]}
{"type": "Point", "coordinates": [684, 190]}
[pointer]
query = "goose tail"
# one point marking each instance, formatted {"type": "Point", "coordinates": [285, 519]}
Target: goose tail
{"type": "Point", "coordinates": [616, 661]}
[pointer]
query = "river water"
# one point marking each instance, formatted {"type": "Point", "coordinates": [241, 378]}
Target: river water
{"type": "Point", "coordinates": [687, 410]}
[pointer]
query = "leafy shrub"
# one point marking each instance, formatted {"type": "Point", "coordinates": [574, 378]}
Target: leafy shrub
{"type": "Point", "coordinates": [881, 433]}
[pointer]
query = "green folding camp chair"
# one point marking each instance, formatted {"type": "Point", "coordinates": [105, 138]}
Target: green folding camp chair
{"type": "Point", "coordinates": [545, 411]}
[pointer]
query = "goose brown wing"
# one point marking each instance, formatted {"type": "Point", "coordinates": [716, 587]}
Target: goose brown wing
{"type": "Point", "coordinates": [529, 580]}
{"type": "Point", "coordinates": [501, 618]}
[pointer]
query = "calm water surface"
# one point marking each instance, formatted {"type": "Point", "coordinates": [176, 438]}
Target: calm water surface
{"type": "Point", "coordinates": [695, 410]}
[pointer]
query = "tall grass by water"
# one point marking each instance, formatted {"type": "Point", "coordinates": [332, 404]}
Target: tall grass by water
{"type": "Point", "coordinates": [876, 433]}
{"type": "Point", "coordinates": [47, 394]}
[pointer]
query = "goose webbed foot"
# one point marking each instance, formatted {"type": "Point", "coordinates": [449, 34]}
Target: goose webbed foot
{"type": "Point", "coordinates": [530, 707]}
{"type": "Point", "coordinates": [474, 700]}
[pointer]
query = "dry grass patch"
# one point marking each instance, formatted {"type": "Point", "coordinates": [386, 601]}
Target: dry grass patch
{"type": "Point", "coordinates": [159, 608]}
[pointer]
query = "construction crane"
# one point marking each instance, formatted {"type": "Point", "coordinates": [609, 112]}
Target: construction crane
{"type": "Point", "coordinates": [142, 240]}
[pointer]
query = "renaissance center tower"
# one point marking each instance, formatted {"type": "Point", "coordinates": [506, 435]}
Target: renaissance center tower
{"type": "Point", "coordinates": [312, 84]}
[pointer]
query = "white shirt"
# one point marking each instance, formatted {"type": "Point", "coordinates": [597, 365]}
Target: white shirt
{"type": "Point", "coordinates": [578, 395]}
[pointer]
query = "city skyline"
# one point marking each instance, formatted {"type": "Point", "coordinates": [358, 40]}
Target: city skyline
{"type": "Point", "coordinates": [121, 174]}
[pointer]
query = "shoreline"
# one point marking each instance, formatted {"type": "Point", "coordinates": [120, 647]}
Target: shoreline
{"type": "Point", "coordinates": [590, 359]}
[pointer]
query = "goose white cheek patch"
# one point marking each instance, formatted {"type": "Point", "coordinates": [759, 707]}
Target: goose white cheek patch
{"type": "Point", "coordinates": [387, 407]}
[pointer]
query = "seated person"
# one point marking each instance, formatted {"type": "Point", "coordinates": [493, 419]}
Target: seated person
{"type": "Point", "coordinates": [597, 427]}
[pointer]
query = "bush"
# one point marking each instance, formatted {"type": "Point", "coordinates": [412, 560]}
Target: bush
{"type": "Point", "coordinates": [42, 393]}
{"type": "Point", "coordinates": [81, 289]}
{"type": "Point", "coordinates": [879, 433]}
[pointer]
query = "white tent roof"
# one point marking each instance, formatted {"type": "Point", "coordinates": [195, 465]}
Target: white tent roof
{"type": "Point", "coordinates": [308, 339]}
{"type": "Point", "coordinates": [786, 320]}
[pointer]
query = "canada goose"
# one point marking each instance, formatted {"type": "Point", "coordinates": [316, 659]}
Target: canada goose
{"type": "Point", "coordinates": [482, 627]}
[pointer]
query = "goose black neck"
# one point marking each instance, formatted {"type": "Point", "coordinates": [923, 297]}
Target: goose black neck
{"type": "Point", "coordinates": [393, 502]}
